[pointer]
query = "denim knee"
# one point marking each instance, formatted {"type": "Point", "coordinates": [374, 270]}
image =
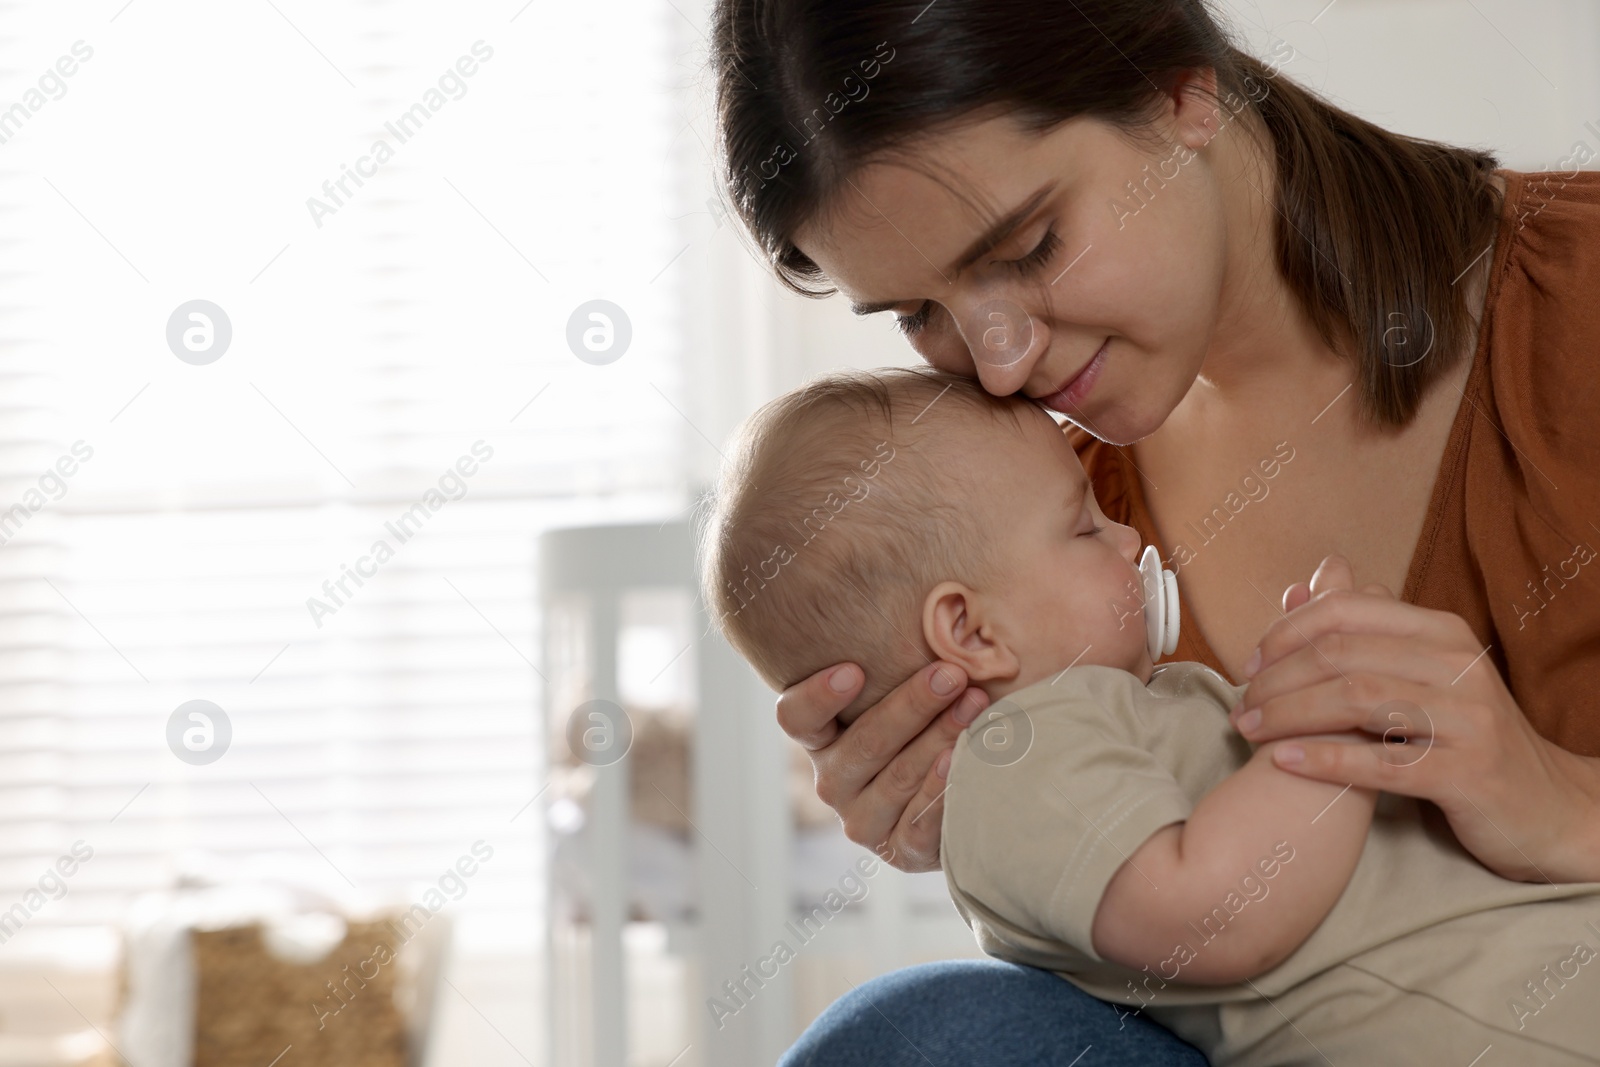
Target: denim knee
{"type": "Point", "coordinates": [959, 1012]}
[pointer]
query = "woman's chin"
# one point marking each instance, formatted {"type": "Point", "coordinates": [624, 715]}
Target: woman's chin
{"type": "Point", "coordinates": [1116, 426]}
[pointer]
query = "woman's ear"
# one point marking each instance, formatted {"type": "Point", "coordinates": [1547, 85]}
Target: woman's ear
{"type": "Point", "coordinates": [1197, 110]}
{"type": "Point", "coordinates": [957, 627]}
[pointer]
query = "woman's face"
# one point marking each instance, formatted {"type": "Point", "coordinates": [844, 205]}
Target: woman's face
{"type": "Point", "coordinates": [1110, 281]}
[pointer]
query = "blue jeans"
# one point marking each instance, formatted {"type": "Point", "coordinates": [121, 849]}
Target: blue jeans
{"type": "Point", "coordinates": [969, 1011]}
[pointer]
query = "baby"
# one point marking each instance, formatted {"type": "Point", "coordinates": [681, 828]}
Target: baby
{"type": "Point", "coordinates": [1103, 820]}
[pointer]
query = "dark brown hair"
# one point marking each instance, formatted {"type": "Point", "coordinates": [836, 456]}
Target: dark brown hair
{"type": "Point", "coordinates": [1373, 228]}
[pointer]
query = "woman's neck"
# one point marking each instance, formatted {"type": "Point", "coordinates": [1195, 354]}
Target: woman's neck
{"type": "Point", "coordinates": [1265, 349]}
{"type": "Point", "coordinates": [1265, 353]}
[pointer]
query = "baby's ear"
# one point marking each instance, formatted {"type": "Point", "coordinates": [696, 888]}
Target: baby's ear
{"type": "Point", "coordinates": [956, 628]}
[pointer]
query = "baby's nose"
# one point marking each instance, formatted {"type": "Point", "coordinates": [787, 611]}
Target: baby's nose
{"type": "Point", "coordinates": [1131, 542]}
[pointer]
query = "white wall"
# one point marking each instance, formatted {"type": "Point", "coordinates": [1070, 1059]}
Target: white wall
{"type": "Point", "coordinates": [1516, 76]}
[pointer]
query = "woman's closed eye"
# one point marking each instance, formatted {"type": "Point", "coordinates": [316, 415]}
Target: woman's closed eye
{"type": "Point", "coordinates": [909, 325]}
{"type": "Point", "coordinates": [1043, 252]}
{"type": "Point", "coordinates": [1047, 247]}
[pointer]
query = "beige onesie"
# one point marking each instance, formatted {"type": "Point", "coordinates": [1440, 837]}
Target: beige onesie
{"type": "Point", "coordinates": [1427, 958]}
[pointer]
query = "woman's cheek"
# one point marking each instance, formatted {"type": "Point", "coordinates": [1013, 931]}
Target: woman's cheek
{"type": "Point", "coordinates": [1143, 290]}
{"type": "Point", "coordinates": [941, 346]}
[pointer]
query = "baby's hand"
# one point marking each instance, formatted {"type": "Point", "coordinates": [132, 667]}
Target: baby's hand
{"type": "Point", "coordinates": [1333, 573]}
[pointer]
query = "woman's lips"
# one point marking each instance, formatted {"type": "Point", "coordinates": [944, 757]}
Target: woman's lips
{"type": "Point", "coordinates": [1069, 396]}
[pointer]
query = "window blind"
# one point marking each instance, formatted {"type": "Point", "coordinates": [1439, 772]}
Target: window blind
{"type": "Point", "coordinates": [397, 315]}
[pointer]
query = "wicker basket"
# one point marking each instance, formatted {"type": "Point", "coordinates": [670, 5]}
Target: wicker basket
{"type": "Point", "coordinates": [361, 1000]}
{"type": "Point", "coordinates": [339, 1012]}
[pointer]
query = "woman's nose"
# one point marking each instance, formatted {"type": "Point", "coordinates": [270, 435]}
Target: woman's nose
{"type": "Point", "coordinates": [1004, 340]}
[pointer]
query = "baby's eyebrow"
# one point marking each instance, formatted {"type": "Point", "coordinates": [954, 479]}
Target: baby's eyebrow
{"type": "Point", "coordinates": [1076, 500]}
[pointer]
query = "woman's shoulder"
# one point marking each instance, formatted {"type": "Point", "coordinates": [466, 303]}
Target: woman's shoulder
{"type": "Point", "coordinates": [1571, 197]}
{"type": "Point", "coordinates": [1543, 322]}
{"type": "Point", "coordinates": [1514, 508]}
{"type": "Point", "coordinates": [1550, 272]}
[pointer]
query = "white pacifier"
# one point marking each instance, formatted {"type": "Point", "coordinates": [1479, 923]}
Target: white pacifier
{"type": "Point", "coordinates": [1160, 587]}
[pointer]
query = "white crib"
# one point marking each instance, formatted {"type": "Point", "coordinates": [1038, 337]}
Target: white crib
{"type": "Point", "coordinates": [746, 855]}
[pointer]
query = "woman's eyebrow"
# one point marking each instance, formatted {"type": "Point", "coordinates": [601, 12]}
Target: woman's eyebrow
{"type": "Point", "coordinates": [987, 242]}
{"type": "Point", "coordinates": [1003, 227]}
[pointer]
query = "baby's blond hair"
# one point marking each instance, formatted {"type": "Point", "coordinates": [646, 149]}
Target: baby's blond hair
{"type": "Point", "coordinates": [833, 517]}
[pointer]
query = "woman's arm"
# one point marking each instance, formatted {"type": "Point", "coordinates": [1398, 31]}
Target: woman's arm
{"type": "Point", "coordinates": [1442, 726]}
{"type": "Point", "coordinates": [1243, 882]}
{"type": "Point", "coordinates": [884, 772]}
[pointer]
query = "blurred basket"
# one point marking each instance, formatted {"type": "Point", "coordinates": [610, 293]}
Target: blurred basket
{"type": "Point", "coordinates": [340, 1011]}
{"type": "Point", "coordinates": [240, 976]}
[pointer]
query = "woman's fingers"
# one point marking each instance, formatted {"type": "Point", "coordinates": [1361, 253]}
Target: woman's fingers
{"type": "Point", "coordinates": [1503, 836]}
{"type": "Point", "coordinates": [1341, 657]}
{"type": "Point", "coordinates": [883, 731]}
{"type": "Point", "coordinates": [1440, 723]}
{"type": "Point", "coordinates": [1346, 611]}
{"type": "Point", "coordinates": [1370, 766]}
{"type": "Point", "coordinates": [881, 810]}
{"type": "Point", "coordinates": [808, 711]}
{"type": "Point", "coordinates": [892, 788]}
{"type": "Point", "coordinates": [914, 845]}
{"type": "Point", "coordinates": [871, 770]}
{"type": "Point", "coordinates": [1390, 708]}
{"type": "Point", "coordinates": [1395, 760]}
{"type": "Point", "coordinates": [1515, 801]}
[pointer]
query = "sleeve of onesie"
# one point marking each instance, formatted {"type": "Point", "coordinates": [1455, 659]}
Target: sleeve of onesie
{"type": "Point", "coordinates": [1034, 831]}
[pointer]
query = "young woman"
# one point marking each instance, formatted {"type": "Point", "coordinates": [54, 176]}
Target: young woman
{"type": "Point", "coordinates": [1278, 331]}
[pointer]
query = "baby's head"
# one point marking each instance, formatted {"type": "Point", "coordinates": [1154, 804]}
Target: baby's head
{"type": "Point", "coordinates": [894, 517]}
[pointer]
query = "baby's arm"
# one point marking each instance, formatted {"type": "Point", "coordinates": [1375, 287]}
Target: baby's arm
{"type": "Point", "coordinates": [1190, 872]}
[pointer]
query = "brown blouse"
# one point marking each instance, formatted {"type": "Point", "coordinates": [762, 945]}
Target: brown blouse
{"type": "Point", "coordinates": [1510, 534]}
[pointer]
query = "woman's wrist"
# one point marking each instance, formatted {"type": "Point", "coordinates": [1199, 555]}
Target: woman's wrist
{"type": "Point", "coordinates": [1576, 851]}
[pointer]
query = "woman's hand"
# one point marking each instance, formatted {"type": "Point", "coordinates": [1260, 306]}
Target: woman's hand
{"type": "Point", "coordinates": [884, 773]}
{"type": "Point", "coordinates": [1444, 727]}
